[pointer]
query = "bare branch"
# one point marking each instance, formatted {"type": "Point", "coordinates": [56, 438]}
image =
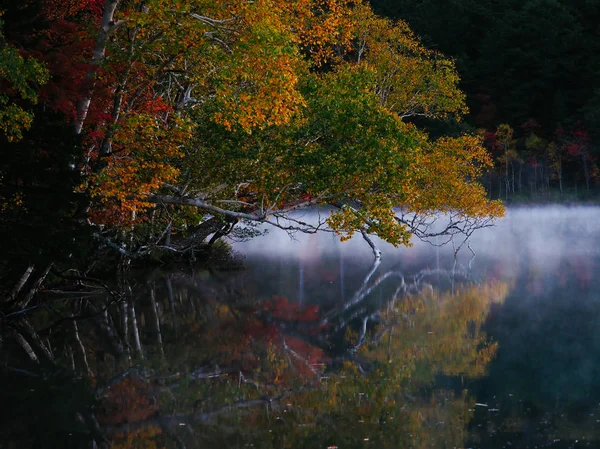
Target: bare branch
{"type": "Point", "coordinates": [363, 291]}
{"type": "Point", "coordinates": [196, 202]}
{"type": "Point", "coordinates": [210, 21]}
{"type": "Point", "coordinates": [34, 288]}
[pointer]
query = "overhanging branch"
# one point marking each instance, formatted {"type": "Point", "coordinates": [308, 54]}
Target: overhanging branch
{"type": "Point", "coordinates": [195, 202]}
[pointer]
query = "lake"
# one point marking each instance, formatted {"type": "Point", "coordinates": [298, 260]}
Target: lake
{"type": "Point", "coordinates": [316, 344]}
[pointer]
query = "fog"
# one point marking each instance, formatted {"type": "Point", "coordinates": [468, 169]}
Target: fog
{"type": "Point", "coordinates": [541, 236]}
{"type": "Point", "coordinates": [547, 364]}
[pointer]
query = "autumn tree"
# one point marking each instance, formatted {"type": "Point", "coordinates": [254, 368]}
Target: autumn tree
{"type": "Point", "coordinates": [191, 111]}
{"type": "Point", "coordinates": [579, 148]}
{"type": "Point", "coordinates": [506, 140]}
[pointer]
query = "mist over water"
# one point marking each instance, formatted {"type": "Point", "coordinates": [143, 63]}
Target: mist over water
{"type": "Point", "coordinates": [544, 234]}
{"type": "Point", "coordinates": [544, 384]}
{"type": "Point", "coordinates": [544, 240]}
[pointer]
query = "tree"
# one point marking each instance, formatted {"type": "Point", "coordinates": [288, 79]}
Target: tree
{"type": "Point", "coordinates": [251, 111]}
{"type": "Point", "coordinates": [518, 61]}
{"type": "Point", "coordinates": [209, 124]}
{"type": "Point", "coordinates": [504, 136]}
{"type": "Point", "coordinates": [579, 148]}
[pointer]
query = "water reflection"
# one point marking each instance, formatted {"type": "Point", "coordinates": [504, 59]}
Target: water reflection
{"type": "Point", "coordinates": [245, 373]}
{"type": "Point", "coordinates": [193, 360]}
{"type": "Point", "coordinates": [315, 344]}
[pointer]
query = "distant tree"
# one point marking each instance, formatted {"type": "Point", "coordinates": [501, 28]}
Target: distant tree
{"type": "Point", "coordinates": [579, 148]}
{"type": "Point", "coordinates": [505, 139]}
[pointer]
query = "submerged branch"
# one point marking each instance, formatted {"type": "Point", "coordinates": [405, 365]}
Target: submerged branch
{"type": "Point", "coordinates": [23, 303]}
{"type": "Point", "coordinates": [26, 347]}
{"type": "Point", "coordinates": [19, 285]}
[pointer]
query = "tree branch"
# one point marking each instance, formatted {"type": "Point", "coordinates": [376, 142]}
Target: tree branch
{"type": "Point", "coordinates": [196, 202]}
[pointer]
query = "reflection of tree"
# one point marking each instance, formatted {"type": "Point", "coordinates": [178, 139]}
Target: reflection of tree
{"type": "Point", "coordinates": [356, 307]}
{"type": "Point", "coordinates": [389, 390]}
{"type": "Point", "coordinates": [237, 378]}
{"type": "Point", "coordinates": [190, 360]}
{"type": "Point", "coordinates": [436, 332]}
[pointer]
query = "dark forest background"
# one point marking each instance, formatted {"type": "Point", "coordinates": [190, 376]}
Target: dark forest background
{"type": "Point", "coordinates": [534, 66]}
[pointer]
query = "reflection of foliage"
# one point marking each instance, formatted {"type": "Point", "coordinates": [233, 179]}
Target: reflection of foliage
{"type": "Point", "coordinates": [389, 389]}
{"type": "Point", "coordinates": [252, 377]}
{"type": "Point", "coordinates": [137, 439]}
{"type": "Point", "coordinates": [281, 308]}
{"type": "Point", "coordinates": [208, 366]}
{"type": "Point", "coordinates": [253, 342]}
{"type": "Point", "coordinates": [439, 332]}
{"type": "Point", "coordinates": [128, 401]}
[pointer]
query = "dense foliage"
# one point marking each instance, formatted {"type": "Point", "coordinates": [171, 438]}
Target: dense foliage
{"type": "Point", "coordinates": [183, 117]}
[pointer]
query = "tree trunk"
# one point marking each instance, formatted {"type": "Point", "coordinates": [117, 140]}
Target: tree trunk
{"type": "Point", "coordinates": [34, 288]}
{"type": "Point", "coordinates": [585, 172]}
{"type": "Point", "coordinates": [35, 339]}
{"type": "Point", "coordinates": [106, 28]}
{"type": "Point", "coordinates": [512, 167]}
{"type": "Point", "coordinates": [125, 328]}
{"type": "Point", "coordinates": [69, 351]}
{"type": "Point", "coordinates": [136, 333]}
{"type": "Point", "coordinates": [560, 184]}
{"type": "Point", "coordinates": [171, 303]}
{"type": "Point", "coordinates": [26, 347]}
{"type": "Point", "coordinates": [154, 309]}
{"type": "Point", "coordinates": [507, 186]}
{"type": "Point", "coordinates": [198, 234]}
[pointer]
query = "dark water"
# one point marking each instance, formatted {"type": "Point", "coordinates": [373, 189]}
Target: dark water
{"type": "Point", "coordinates": [315, 346]}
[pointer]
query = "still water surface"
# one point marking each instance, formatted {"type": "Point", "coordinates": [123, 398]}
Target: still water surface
{"type": "Point", "coordinates": [541, 387]}
{"type": "Point", "coordinates": [314, 346]}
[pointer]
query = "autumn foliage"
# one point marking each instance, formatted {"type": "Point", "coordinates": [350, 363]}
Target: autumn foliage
{"type": "Point", "coordinates": [256, 108]}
